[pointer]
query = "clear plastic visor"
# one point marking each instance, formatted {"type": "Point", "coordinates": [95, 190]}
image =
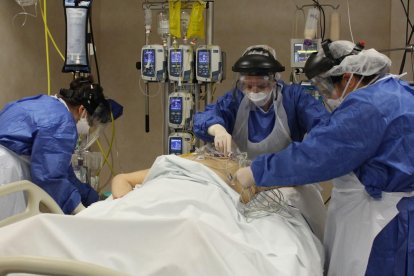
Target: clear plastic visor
{"type": "Point", "coordinates": [249, 84]}
{"type": "Point", "coordinates": [324, 85]}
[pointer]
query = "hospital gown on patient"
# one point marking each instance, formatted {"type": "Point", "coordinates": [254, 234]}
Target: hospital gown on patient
{"type": "Point", "coordinates": [182, 221]}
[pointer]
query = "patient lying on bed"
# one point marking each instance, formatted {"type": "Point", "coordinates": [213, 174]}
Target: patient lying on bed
{"type": "Point", "coordinates": [223, 167]}
{"type": "Point", "coordinates": [183, 220]}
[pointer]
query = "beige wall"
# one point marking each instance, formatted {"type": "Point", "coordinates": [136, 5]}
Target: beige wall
{"type": "Point", "coordinates": [119, 34]}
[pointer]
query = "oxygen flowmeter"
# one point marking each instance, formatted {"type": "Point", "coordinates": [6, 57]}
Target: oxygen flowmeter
{"type": "Point", "coordinates": [209, 63]}
{"type": "Point", "coordinates": [179, 143]}
{"type": "Point", "coordinates": [153, 63]}
{"type": "Point", "coordinates": [180, 110]}
{"type": "Point", "coordinates": [180, 63]}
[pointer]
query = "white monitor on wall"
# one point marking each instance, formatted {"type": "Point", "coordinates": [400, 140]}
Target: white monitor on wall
{"type": "Point", "coordinates": [301, 51]}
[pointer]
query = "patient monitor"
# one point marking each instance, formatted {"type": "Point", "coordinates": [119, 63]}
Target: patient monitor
{"type": "Point", "coordinates": [180, 110]}
{"type": "Point", "coordinates": [300, 52]}
{"type": "Point", "coordinates": [153, 63]}
{"type": "Point", "coordinates": [209, 63]}
{"type": "Point", "coordinates": [179, 143]}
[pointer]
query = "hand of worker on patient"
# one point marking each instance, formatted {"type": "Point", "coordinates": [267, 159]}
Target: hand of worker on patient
{"type": "Point", "coordinates": [222, 139]}
{"type": "Point", "coordinates": [245, 177]}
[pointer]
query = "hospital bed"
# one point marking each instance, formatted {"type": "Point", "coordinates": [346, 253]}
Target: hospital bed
{"type": "Point", "coordinates": [36, 199]}
{"type": "Point", "coordinates": [184, 221]}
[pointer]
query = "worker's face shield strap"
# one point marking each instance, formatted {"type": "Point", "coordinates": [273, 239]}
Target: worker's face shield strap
{"type": "Point", "coordinates": [76, 18]}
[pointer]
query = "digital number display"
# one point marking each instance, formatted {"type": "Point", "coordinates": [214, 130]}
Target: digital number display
{"type": "Point", "coordinates": [176, 103]}
{"type": "Point", "coordinates": [203, 57]}
{"type": "Point", "coordinates": [175, 56]}
{"type": "Point", "coordinates": [149, 56]}
{"type": "Point", "coordinates": [176, 144]}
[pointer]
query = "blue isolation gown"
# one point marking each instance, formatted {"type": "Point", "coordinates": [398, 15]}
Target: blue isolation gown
{"type": "Point", "coordinates": [42, 127]}
{"type": "Point", "coordinates": [371, 134]}
{"type": "Point", "coordinates": [302, 110]}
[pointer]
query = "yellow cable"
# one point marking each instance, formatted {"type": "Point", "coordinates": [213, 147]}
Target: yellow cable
{"type": "Point", "coordinates": [49, 34]}
{"type": "Point", "coordinates": [46, 47]}
{"type": "Point", "coordinates": [109, 150]}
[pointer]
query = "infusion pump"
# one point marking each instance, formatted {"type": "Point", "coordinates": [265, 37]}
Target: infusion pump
{"type": "Point", "coordinates": [180, 143]}
{"type": "Point", "coordinates": [153, 63]}
{"type": "Point", "coordinates": [209, 63]}
{"type": "Point", "coordinates": [180, 63]}
{"type": "Point", "coordinates": [180, 110]}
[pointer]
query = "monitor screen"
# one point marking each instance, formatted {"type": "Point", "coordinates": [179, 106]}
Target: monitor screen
{"type": "Point", "coordinates": [301, 51]}
{"type": "Point", "coordinates": [176, 103]}
{"type": "Point", "coordinates": [175, 144]}
{"type": "Point", "coordinates": [203, 57]}
{"type": "Point", "coordinates": [149, 56]}
{"type": "Point", "coordinates": [175, 56]}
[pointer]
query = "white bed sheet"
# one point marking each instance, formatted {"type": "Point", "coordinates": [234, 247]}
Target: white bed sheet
{"type": "Point", "coordinates": [183, 221]}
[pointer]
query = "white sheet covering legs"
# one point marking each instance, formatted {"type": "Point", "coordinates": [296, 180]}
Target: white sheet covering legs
{"type": "Point", "coordinates": [183, 221]}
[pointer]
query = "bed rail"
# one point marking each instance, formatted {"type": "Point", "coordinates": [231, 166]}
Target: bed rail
{"type": "Point", "coordinates": [35, 197]}
{"type": "Point", "coordinates": [52, 266]}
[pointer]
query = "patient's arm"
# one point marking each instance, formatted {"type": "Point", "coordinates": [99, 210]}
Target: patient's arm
{"type": "Point", "coordinates": [124, 183]}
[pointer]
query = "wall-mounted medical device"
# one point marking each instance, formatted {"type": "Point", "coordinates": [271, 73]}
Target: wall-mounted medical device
{"type": "Point", "coordinates": [180, 143]}
{"type": "Point", "coordinates": [180, 63]}
{"type": "Point", "coordinates": [209, 63]}
{"type": "Point", "coordinates": [181, 106]}
{"type": "Point", "coordinates": [301, 51]}
{"type": "Point", "coordinates": [76, 19]}
{"type": "Point", "coordinates": [153, 63]}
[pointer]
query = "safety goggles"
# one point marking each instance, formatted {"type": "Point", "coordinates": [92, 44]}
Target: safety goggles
{"type": "Point", "coordinates": [249, 84]}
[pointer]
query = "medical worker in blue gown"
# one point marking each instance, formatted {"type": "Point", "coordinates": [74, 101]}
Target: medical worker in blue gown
{"type": "Point", "coordinates": [262, 115]}
{"type": "Point", "coordinates": [44, 129]}
{"type": "Point", "coordinates": [367, 147]}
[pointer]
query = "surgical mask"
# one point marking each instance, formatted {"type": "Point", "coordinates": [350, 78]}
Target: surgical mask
{"type": "Point", "coordinates": [83, 126]}
{"type": "Point", "coordinates": [259, 98]}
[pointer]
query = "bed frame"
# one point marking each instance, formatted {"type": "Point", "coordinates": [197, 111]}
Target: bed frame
{"type": "Point", "coordinates": [52, 266]}
{"type": "Point", "coordinates": [36, 200]}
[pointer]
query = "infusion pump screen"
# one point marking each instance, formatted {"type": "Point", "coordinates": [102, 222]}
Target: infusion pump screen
{"type": "Point", "coordinates": [203, 57]}
{"type": "Point", "coordinates": [176, 103]}
{"type": "Point", "coordinates": [149, 56]}
{"type": "Point", "coordinates": [175, 56]}
{"type": "Point", "coordinates": [175, 145]}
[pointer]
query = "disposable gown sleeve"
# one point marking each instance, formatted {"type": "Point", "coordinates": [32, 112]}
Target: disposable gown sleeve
{"type": "Point", "coordinates": [309, 111]}
{"type": "Point", "coordinates": [50, 159]}
{"type": "Point", "coordinates": [223, 112]}
{"type": "Point", "coordinates": [88, 194]}
{"type": "Point", "coordinates": [333, 148]}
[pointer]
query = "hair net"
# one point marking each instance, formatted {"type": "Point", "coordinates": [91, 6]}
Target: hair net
{"type": "Point", "coordinates": [366, 63]}
{"type": "Point", "coordinates": [258, 50]}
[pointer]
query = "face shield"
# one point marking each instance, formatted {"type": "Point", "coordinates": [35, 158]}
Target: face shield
{"type": "Point", "coordinates": [325, 86]}
{"type": "Point", "coordinates": [259, 89]}
{"type": "Point", "coordinates": [98, 113]}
